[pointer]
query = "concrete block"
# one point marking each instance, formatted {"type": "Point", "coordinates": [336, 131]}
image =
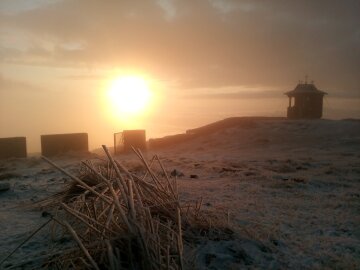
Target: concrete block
{"type": "Point", "coordinates": [58, 144]}
{"type": "Point", "coordinates": [124, 141]}
{"type": "Point", "coordinates": [13, 147]}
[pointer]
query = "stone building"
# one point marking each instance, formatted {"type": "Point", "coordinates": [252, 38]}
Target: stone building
{"type": "Point", "coordinates": [308, 102]}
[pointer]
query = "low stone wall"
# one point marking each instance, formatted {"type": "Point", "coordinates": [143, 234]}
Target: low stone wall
{"type": "Point", "coordinates": [58, 144]}
{"type": "Point", "coordinates": [13, 147]}
{"type": "Point", "coordinates": [246, 122]}
{"type": "Point", "coordinates": [169, 141]}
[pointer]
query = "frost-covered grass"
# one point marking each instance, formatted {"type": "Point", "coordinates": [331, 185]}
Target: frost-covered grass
{"type": "Point", "coordinates": [289, 189]}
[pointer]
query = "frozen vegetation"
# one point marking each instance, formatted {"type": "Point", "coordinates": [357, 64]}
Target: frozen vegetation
{"type": "Point", "coordinates": [289, 192]}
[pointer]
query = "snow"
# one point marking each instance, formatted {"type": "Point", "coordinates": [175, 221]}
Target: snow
{"type": "Point", "coordinates": [289, 190]}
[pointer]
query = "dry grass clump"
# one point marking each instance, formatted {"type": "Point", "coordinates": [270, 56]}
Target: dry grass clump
{"type": "Point", "coordinates": [121, 220]}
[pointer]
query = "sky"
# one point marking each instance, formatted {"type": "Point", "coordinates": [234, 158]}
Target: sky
{"type": "Point", "coordinates": [204, 60]}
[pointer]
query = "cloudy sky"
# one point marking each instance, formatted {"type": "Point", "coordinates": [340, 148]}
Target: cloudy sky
{"type": "Point", "coordinates": [206, 60]}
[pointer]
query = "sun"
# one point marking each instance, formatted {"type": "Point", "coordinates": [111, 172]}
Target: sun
{"type": "Point", "coordinates": [129, 95]}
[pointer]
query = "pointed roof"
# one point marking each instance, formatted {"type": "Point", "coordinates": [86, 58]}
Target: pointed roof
{"type": "Point", "coordinates": [305, 88]}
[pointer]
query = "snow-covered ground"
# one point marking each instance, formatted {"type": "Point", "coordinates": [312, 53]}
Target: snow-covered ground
{"type": "Point", "coordinates": [290, 191]}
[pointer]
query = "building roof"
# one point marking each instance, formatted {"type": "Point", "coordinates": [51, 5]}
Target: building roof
{"type": "Point", "coordinates": [305, 88]}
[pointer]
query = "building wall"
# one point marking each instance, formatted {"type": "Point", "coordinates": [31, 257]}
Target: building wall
{"type": "Point", "coordinates": [307, 106]}
{"type": "Point", "coordinates": [134, 138]}
{"type": "Point", "coordinates": [62, 143]}
{"type": "Point", "coordinates": [13, 147]}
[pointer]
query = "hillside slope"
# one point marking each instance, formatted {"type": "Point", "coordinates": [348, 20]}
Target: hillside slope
{"type": "Point", "coordinates": [289, 190]}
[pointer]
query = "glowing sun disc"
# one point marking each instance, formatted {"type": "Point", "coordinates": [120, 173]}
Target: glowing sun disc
{"type": "Point", "coordinates": [129, 94]}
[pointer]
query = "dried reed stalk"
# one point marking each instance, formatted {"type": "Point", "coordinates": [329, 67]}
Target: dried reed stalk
{"type": "Point", "coordinates": [81, 245]}
{"type": "Point", "coordinates": [122, 220]}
